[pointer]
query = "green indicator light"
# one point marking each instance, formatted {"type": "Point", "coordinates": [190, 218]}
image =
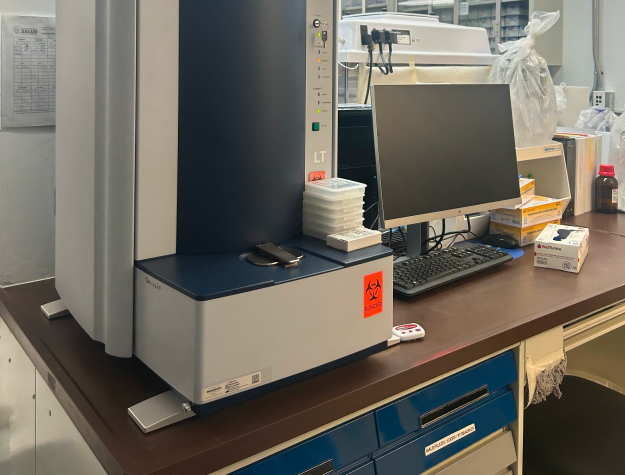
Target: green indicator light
{"type": "Point", "coordinates": [319, 34]}
{"type": "Point", "coordinates": [318, 111]}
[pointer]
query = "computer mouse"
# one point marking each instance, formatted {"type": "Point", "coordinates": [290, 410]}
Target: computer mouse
{"type": "Point", "coordinates": [503, 241]}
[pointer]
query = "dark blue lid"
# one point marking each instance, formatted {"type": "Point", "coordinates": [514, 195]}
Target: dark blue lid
{"type": "Point", "coordinates": [207, 277]}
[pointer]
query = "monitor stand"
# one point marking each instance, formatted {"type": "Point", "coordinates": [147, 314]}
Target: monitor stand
{"type": "Point", "coordinates": [418, 234]}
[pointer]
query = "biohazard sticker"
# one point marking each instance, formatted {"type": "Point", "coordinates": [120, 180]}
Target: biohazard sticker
{"type": "Point", "coordinates": [317, 176]}
{"type": "Point", "coordinates": [373, 294]}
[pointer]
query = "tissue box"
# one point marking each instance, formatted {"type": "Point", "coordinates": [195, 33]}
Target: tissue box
{"type": "Point", "coordinates": [537, 211]}
{"type": "Point", "coordinates": [528, 189]}
{"type": "Point", "coordinates": [525, 236]}
{"type": "Point", "coordinates": [562, 248]}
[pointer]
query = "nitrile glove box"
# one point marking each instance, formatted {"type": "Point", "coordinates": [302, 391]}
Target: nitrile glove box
{"type": "Point", "coordinates": [561, 248]}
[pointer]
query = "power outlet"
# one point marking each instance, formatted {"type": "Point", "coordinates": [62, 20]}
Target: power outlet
{"type": "Point", "coordinates": [603, 99]}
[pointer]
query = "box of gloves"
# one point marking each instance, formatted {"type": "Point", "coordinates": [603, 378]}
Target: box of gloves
{"type": "Point", "coordinates": [562, 248]}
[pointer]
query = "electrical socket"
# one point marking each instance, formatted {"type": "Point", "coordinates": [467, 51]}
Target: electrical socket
{"type": "Point", "coordinates": [603, 99]}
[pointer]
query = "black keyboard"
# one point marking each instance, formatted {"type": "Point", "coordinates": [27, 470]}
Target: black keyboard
{"type": "Point", "coordinates": [414, 276]}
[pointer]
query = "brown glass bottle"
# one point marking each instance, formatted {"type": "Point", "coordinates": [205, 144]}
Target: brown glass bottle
{"type": "Point", "coordinates": [606, 190]}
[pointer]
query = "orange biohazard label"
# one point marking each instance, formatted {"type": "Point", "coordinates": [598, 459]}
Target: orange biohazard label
{"type": "Point", "coordinates": [373, 294]}
{"type": "Point", "coordinates": [317, 176]}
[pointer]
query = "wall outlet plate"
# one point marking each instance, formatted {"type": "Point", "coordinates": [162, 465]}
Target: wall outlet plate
{"type": "Point", "coordinates": [603, 99]}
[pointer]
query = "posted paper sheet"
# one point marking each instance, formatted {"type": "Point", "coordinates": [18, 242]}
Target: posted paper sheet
{"type": "Point", "coordinates": [28, 71]}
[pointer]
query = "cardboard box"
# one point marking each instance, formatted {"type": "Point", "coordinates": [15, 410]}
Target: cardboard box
{"type": "Point", "coordinates": [537, 211]}
{"type": "Point", "coordinates": [562, 248]}
{"type": "Point", "coordinates": [528, 190]}
{"type": "Point", "coordinates": [525, 236]}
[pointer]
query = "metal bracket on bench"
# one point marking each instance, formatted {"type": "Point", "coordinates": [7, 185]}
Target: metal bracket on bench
{"type": "Point", "coordinates": [55, 309]}
{"type": "Point", "coordinates": [160, 411]}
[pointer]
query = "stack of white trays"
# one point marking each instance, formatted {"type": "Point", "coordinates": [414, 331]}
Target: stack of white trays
{"type": "Point", "coordinates": [333, 206]}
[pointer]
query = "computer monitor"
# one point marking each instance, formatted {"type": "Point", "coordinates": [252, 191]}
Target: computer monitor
{"type": "Point", "coordinates": [443, 150]}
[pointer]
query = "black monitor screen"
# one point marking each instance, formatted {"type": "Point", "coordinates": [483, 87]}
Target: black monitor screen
{"type": "Point", "coordinates": [443, 150]}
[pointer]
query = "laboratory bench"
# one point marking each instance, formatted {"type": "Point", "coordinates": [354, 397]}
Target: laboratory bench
{"type": "Point", "coordinates": [474, 327]}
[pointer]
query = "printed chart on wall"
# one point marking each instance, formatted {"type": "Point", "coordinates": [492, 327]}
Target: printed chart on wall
{"type": "Point", "coordinates": [28, 71]}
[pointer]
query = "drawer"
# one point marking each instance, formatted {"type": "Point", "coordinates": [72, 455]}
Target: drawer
{"type": "Point", "coordinates": [318, 456]}
{"type": "Point", "coordinates": [432, 447]}
{"type": "Point", "coordinates": [367, 469]}
{"type": "Point", "coordinates": [489, 459]}
{"type": "Point", "coordinates": [444, 398]}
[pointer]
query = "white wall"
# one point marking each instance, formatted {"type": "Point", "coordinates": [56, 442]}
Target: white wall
{"type": "Point", "coordinates": [26, 187]}
{"type": "Point", "coordinates": [578, 63]}
{"type": "Point", "coordinates": [577, 60]}
{"type": "Point", "coordinates": [613, 49]}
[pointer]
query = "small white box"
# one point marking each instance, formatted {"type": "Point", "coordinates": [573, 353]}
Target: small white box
{"type": "Point", "coordinates": [561, 248]}
{"type": "Point", "coordinates": [353, 240]}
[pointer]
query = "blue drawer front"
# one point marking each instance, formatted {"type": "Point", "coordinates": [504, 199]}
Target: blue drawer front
{"type": "Point", "coordinates": [403, 417]}
{"type": "Point", "coordinates": [343, 445]}
{"type": "Point", "coordinates": [410, 458]}
{"type": "Point", "coordinates": [368, 469]}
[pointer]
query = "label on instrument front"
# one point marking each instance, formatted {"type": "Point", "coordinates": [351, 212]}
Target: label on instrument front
{"type": "Point", "coordinates": [230, 387]}
{"type": "Point", "coordinates": [403, 37]}
{"type": "Point", "coordinates": [450, 439]}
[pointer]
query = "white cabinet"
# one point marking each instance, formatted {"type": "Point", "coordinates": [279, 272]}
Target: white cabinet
{"type": "Point", "coordinates": [60, 447]}
{"type": "Point", "coordinates": [17, 407]}
{"type": "Point", "coordinates": [36, 435]}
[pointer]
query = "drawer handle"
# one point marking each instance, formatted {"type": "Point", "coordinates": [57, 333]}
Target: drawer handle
{"type": "Point", "coordinates": [322, 469]}
{"type": "Point", "coordinates": [453, 406]}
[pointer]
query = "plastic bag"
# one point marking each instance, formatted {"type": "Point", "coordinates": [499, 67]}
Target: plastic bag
{"type": "Point", "coordinates": [562, 101]}
{"type": "Point", "coordinates": [534, 105]}
{"type": "Point", "coordinates": [600, 119]}
{"type": "Point", "coordinates": [617, 157]}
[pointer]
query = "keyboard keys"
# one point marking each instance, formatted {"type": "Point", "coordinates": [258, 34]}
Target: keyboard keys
{"type": "Point", "coordinates": [459, 261]}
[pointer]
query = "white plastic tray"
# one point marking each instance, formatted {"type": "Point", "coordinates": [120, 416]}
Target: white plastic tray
{"type": "Point", "coordinates": [332, 229]}
{"type": "Point", "coordinates": [336, 188]}
{"type": "Point", "coordinates": [339, 210]}
{"type": "Point", "coordinates": [335, 203]}
{"type": "Point", "coordinates": [331, 220]}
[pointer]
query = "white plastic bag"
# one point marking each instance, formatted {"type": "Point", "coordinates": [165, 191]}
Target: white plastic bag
{"type": "Point", "coordinates": [562, 101]}
{"type": "Point", "coordinates": [534, 105]}
{"type": "Point", "coordinates": [600, 119]}
{"type": "Point", "coordinates": [617, 157]}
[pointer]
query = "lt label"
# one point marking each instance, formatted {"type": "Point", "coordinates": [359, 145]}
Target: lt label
{"type": "Point", "coordinates": [450, 439]}
{"type": "Point", "coordinates": [320, 157]}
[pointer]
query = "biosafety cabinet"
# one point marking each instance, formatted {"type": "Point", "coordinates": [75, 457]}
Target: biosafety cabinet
{"type": "Point", "coordinates": [186, 132]}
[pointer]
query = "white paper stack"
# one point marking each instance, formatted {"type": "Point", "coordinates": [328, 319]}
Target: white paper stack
{"type": "Point", "coordinates": [333, 206]}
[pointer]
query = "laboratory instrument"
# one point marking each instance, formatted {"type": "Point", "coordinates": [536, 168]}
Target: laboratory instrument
{"type": "Point", "coordinates": [179, 184]}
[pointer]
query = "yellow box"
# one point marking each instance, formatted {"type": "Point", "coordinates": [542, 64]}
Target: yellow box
{"type": "Point", "coordinates": [537, 211]}
{"type": "Point", "coordinates": [525, 236]}
{"type": "Point", "coordinates": [528, 189]}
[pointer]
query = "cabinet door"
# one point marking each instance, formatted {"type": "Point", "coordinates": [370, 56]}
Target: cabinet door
{"type": "Point", "coordinates": [5, 432]}
{"type": "Point", "coordinates": [17, 408]}
{"type": "Point", "coordinates": [60, 447]}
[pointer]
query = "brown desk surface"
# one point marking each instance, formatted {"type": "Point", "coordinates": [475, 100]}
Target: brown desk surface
{"type": "Point", "coordinates": [609, 223]}
{"type": "Point", "coordinates": [464, 321]}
